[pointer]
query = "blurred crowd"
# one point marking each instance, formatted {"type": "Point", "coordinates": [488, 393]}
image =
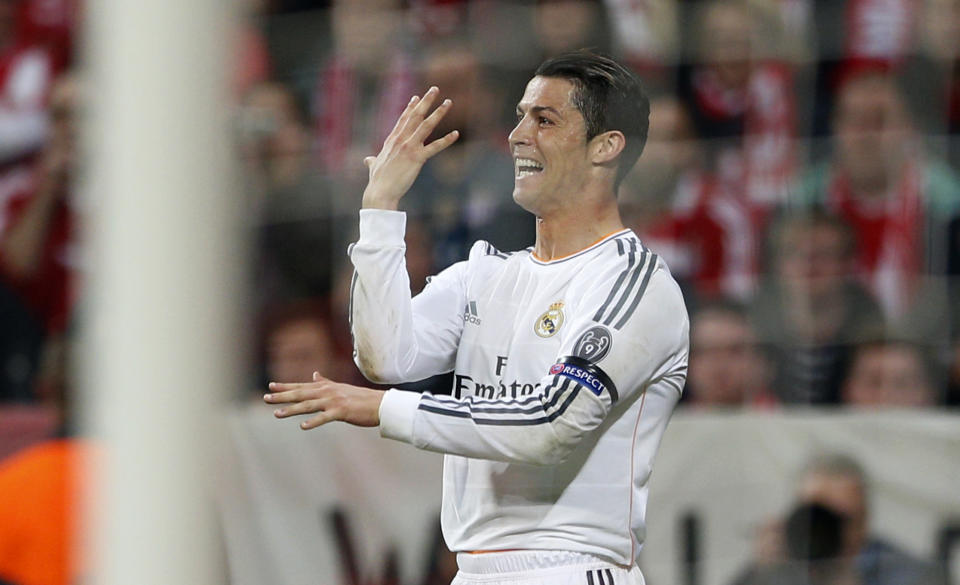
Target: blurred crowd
{"type": "Point", "coordinates": [800, 179]}
{"type": "Point", "coordinates": [826, 538]}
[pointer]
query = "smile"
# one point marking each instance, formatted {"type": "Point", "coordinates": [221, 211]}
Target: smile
{"type": "Point", "coordinates": [525, 167]}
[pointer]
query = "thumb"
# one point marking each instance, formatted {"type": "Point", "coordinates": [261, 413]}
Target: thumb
{"type": "Point", "coordinates": [317, 377]}
{"type": "Point", "coordinates": [369, 161]}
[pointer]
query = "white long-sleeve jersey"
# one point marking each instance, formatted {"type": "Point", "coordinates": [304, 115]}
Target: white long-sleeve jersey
{"type": "Point", "coordinates": [565, 376]}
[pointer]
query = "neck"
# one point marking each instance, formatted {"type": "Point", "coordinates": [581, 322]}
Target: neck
{"type": "Point", "coordinates": [567, 231]}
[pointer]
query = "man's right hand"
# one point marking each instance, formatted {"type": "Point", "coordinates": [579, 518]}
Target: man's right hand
{"type": "Point", "coordinates": [393, 171]}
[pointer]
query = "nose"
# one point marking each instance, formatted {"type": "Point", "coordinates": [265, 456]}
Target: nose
{"type": "Point", "coordinates": [520, 133]}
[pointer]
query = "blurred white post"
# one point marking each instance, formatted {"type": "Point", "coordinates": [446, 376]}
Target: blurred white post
{"type": "Point", "coordinates": [163, 283]}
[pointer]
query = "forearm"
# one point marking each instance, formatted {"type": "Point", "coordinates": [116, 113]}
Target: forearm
{"type": "Point", "coordinates": [380, 304]}
{"type": "Point", "coordinates": [398, 338]}
{"type": "Point", "coordinates": [21, 247]}
{"type": "Point", "coordinates": [542, 429]}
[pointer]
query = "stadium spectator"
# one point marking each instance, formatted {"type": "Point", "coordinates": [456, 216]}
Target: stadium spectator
{"type": "Point", "coordinates": [889, 374]}
{"type": "Point", "coordinates": [699, 224]}
{"type": "Point", "coordinates": [647, 33]}
{"type": "Point", "coordinates": [851, 35]}
{"type": "Point", "coordinates": [38, 237]}
{"type": "Point", "coordinates": [742, 105]}
{"type": "Point", "coordinates": [363, 84]}
{"type": "Point", "coordinates": [275, 137]}
{"type": "Point", "coordinates": [811, 540]}
{"type": "Point", "coordinates": [464, 193]}
{"type": "Point", "coordinates": [298, 341]}
{"type": "Point", "coordinates": [567, 25]}
{"type": "Point", "coordinates": [726, 367]}
{"type": "Point", "coordinates": [898, 201]}
{"type": "Point", "coordinates": [811, 311]}
{"type": "Point", "coordinates": [932, 76]}
{"type": "Point", "coordinates": [838, 484]}
{"type": "Point", "coordinates": [292, 201]}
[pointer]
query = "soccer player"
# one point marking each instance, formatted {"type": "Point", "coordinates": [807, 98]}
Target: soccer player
{"type": "Point", "coordinates": [568, 357]}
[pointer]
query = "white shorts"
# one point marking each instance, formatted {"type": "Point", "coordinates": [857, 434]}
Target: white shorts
{"type": "Point", "coordinates": [542, 567]}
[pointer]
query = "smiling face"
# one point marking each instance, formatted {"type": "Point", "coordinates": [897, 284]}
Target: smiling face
{"type": "Point", "coordinates": [549, 146]}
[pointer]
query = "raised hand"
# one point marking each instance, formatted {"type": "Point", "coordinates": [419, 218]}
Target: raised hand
{"type": "Point", "coordinates": [334, 401]}
{"type": "Point", "coordinates": [393, 171]}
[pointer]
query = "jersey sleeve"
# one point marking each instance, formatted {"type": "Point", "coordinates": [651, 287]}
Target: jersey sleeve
{"type": "Point", "coordinates": [397, 338]}
{"type": "Point", "coordinates": [628, 337]}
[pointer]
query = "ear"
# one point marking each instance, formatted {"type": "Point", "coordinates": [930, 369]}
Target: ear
{"type": "Point", "coordinates": [606, 147]}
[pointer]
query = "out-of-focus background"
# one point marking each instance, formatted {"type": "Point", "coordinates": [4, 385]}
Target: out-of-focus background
{"type": "Point", "coordinates": [802, 180]}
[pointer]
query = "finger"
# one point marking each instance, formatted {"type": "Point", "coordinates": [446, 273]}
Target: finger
{"type": "Point", "coordinates": [279, 398]}
{"type": "Point", "coordinates": [368, 161]}
{"type": "Point", "coordinates": [305, 407]}
{"type": "Point", "coordinates": [426, 102]}
{"type": "Point", "coordinates": [440, 144]}
{"type": "Point", "coordinates": [281, 386]}
{"type": "Point", "coordinates": [405, 113]}
{"type": "Point", "coordinates": [401, 122]}
{"type": "Point", "coordinates": [316, 421]}
{"type": "Point", "coordinates": [430, 123]}
{"type": "Point", "coordinates": [419, 111]}
{"type": "Point", "coordinates": [290, 396]}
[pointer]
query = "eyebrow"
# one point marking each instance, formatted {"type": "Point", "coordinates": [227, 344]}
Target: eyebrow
{"type": "Point", "coordinates": [538, 109]}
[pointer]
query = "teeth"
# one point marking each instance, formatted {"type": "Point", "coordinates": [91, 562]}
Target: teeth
{"type": "Point", "coordinates": [526, 166]}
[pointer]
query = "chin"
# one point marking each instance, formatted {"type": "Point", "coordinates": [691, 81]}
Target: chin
{"type": "Point", "coordinates": [524, 199]}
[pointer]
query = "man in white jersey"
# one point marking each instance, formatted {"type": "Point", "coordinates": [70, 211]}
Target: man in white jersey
{"type": "Point", "coordinates": [568, 357]}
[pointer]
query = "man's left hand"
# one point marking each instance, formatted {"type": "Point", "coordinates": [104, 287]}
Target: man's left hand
{"type": "Point", "coordinates": [334, 401]}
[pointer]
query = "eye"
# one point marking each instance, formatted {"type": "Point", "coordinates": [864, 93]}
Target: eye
{"type": "Point", "coordinates": [545, 121]}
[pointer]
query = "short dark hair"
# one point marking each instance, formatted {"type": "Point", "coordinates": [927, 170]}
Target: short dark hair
{"type": "Point", "coordinates": [609, 96]}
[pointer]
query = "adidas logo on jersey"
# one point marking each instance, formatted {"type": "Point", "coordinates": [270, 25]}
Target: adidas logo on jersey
{"type": "Point", "coordinates": [470, 314]}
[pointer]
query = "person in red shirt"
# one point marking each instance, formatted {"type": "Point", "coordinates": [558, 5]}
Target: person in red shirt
{"type": "Point", "coordinates": [898, 199]}
{"type": "Point", "coordinates": [37, 231]}
{"type": "Point", "coordinates": [38, 250]}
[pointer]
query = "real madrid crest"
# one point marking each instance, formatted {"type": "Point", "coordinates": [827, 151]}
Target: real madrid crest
{"type": "Point", "coordinates": [549, 323]}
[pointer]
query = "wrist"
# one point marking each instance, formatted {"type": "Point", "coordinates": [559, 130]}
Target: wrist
{"type": "Point", "coordinates": [373, 200]}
